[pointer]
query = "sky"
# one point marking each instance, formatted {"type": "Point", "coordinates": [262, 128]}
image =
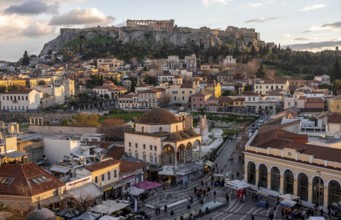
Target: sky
{"type": "Point", "coordinates": [28, 24]}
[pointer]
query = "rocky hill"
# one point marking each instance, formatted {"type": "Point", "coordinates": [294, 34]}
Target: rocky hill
{"type": "Point", "coordinates": [105, 37]}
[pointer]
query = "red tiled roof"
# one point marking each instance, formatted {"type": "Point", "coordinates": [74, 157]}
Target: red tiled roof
{"type": "Point", "coordinates": [313, 99]}
{"type": "Point", "coordinates": [239, 99]}
{"type": "Point", "coordinates": [224, 99]}
{"type": "Point", "coordinates": [28, 180]}
{"type": "Point", "coordinates": [100, 165]}
{"type": "Point", "coordinates": [186, 85]}
{"type": "Point", "coordinates": [20, 91]}
{"type": "Point", "coordinates": [129, 166]}
{"type": "Point", "coordinates": [334, 118]}
{"type": "Point", "coordinates": [250, 93]}
{"type": "Point", "coordinates": [116, 152]}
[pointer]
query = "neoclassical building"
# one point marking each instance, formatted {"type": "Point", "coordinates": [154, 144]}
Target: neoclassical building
{"type": "Point", "coordinates": [284, 162]}
{"type": "Point", "coordinates": [159, 137]}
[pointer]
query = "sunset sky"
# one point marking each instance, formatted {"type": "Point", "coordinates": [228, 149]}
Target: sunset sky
{"type": "Point", "coordinates": [28, 24]}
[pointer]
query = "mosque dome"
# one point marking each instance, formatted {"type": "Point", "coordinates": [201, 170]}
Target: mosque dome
{"type": "Point", "coordinates": [41, 214]}
{"type": "Point", "coordinates": [158, 116]}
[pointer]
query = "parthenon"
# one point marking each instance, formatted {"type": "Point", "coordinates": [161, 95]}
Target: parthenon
{"type": "Point", "coordinates": [157, 24]}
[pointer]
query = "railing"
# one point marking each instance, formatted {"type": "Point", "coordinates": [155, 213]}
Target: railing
{"type": "Point", "coordinates": [314, 129]}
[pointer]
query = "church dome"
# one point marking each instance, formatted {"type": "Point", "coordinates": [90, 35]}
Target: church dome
{"type": "Point", "coordinates": [41, 214]}
{"type": "Point", "coordinates": [158, 116]}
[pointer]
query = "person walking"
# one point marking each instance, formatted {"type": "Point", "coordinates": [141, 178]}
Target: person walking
{"type": "Point", "coordinates": [165, 208]}
{"type": "Point", "coordinates": [227, 198]}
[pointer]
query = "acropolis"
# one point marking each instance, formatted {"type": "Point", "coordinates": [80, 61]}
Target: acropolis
{"type": "Point", "coordinates": [156, 24]}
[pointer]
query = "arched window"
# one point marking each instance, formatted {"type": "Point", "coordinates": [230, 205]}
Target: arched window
{"type": "Point", "coordinates": [334, 192]}
{"type": "Point", "coordinates": [129, 153]}
{"type": "Point", "coordinates": [275, 179]}
{"type": "Point", "coordinates": [288, 182]}
{"type": "Point", "coordinates": [142, 129]}
{"type": "Point", "coordinates": [136, 154]}
{"type": "Point", "coordinates": [144, 156]}
{"type": "Point", "coordinates": [318, 190]}
{"type": "Point", "coordinates": [302, 186]}
{"type": "Point", "coordinates": [151, 158]}
{"type": "Point", "coordinates": [155, 158]}
{"type": "Point", "coordinates": [251, 173]}
{"type": "Point", "coordinates": [263, 176]}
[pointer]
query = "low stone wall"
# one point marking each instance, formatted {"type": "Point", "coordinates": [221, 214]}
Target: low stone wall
{"type": "Point", "coordinates": [52, 130]}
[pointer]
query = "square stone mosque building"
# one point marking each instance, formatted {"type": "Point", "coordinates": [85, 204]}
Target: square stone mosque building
{"type": "Point", "coordinates": [159, 137]}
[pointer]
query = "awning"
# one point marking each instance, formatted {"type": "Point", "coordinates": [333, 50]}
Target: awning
{"type": "Point", "coordinates": [289, 196]}
{"type": "Point", "coordinates": [183, 171]}
{"type": "Point", "coordinates": [60, 169]}
{"type": "Point", "coordinates": [147, 185]}
{"type": "Point", "coordinates": [87, 216]}
{"type": "Point", "coordinates": [237, 184]}
{"type": "Point", "coordinates": [209, 163]}
{"type": "Point", "coordinates": [289, 203]}
{"type": "Point", "coordinates": [107, 217]}
{"type": "Point", "coordinates": [108, 207]}
{"type": "Point", "coordinates": [89, 191]}
{"type": "Point", "coordinates": [134, 191]}
{"type": "Point", "coordinates": [166, 172]}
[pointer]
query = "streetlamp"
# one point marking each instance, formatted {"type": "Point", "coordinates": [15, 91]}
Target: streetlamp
{"type": "Point", "coordinates": [319, 187]}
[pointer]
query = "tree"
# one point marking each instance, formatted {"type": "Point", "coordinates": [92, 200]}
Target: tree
{"type": "Point", "coordinates": [83, 120]}
{"type": "Point", "coordinates": [260, 72]}
{"type": "Point", "coordinates": [150, 80]}
{"type": "Point", "coordinates": [336, 70]}
{"type": "Point", "coordinates": [253, 51]}
{"type": "Point", "coordinates": [25, 59]}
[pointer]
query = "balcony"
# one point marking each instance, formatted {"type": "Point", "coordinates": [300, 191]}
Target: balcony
{"type": "Point", "coordinates": [313, 129]}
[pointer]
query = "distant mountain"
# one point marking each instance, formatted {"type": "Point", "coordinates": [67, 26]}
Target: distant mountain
{"type": "Point", "coordinates": [151, 42]}
{"type": "Point", "coordinates": [315, 46]}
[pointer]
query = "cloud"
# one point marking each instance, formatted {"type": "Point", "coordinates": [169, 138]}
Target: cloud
{"type": "Point", "coordinates": [260, 20]}
{"type": "Point", "coordinates": [335, 25]}
{"type": "Point", "coordinates": [254, 5]}
{"type": "Point", "coordinates": [302, 38]}
{"type": "Point", "coordinates": [312, 7]}
{"type": "Point", "coordinates": [287, 36]}
{"type": "Point", "coordinates": [306, 31]}
{"type": "Point", "coordinates": [82, 17]}
{"type": "Point", "coordinates": [32, 8]}
{"type": "Point", "coordinates": [215, 2]}
{"type": "Point", "coordinates": [11, 25]}
{"type": "Point", "coordinates": [37, 30]}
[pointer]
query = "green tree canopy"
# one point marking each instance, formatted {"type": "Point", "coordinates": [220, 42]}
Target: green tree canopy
{"type": "Point", "coordinates": [25, 59]}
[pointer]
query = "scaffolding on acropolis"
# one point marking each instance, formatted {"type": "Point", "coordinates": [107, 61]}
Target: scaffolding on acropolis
{"type": "Point", "coordinates": [157, 24]}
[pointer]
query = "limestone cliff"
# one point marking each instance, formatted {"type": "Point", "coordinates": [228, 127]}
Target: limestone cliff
{"type": "Point", "coordinates": [178, 36]}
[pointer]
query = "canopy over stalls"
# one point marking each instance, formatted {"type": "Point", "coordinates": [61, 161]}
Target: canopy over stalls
{"type": "Point", "coordinates": [90, 191]}
{"type": "Point", "coordinates": [147, 185]}
{"type": "Point", "coordinates": [107, 217]}
{"type": "Point", "coordinates": [87, 216]}
{"type": "Point", "coordinates": [167, 171]}
{"type": "Point", "coordinates": [108, 207]}
{"type": "Point", "coordinates": [289, 196]}
{"type": "Point", "coordinates": [289, 203]}
{"type": "Point", "coordinates": [134, 191]}
{"type": "Point", "coordinates": [237, 184]}
{"type": "Point", "coordinates": [209, 163]}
